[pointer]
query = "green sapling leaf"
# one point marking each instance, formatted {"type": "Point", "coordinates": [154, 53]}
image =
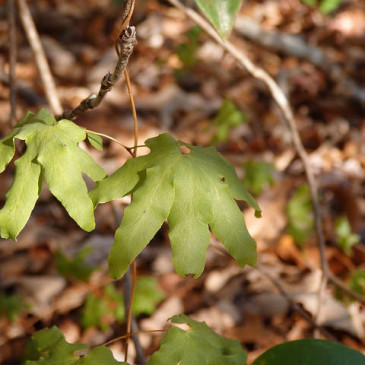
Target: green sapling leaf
{"type": "Point", "coordinates": [53, 153]}
{"type": "Point", "coordinates": [193, 191]}
{"type": "Point", "coordinates": [95, 140]}
{"type": "Point", "coordinates": [220, 13]}
{"type": "Point", "coordinates": [199, 345]}
{"type": "Point", "coordinates": [310, 351]}
{"type": "Point", "coordinates": [54, 350]}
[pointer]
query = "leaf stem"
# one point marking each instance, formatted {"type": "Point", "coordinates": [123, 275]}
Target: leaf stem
{"type": "Point", "coordinates": [129, 335]}
{"type": "Point", "coordinates": [129, 149]}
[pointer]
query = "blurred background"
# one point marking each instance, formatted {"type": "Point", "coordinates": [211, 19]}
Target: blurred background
{"type": "Point", "coordinates": [186, 85]}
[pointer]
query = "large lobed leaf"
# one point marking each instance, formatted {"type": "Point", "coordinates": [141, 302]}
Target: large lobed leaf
{"type": "Point", "coordinates": [220, 13]}
{"type": "Point", "coordinates": [199, 345]}
{"type": "Point", "coordinates": [193, 191]}
{"type": "Point", "coordinates": [52, 349]}
{"type": "Point", "coordinates": [312, 352]}
{"type": "Point", "coordinates": [52, 153]}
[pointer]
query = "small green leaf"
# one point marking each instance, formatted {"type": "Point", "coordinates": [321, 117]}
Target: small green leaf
{"type": "Point", "coordinates": [220, 13]}
{"type": "Point", "coordinates": [311, 352]}
{"type": "Point", "coordinates": [54, 350]}
{"type": "Point", "coordinates": [328, 6]}
{"type": "Point", "coordinates": [195, 190]}
{"type": "Point", "coordinates": [357, 281]}
{"type": "Point", "coordinates": [228, 117]}
{"type": "Point", "coordinates": [75, 268]}
{"type": "Point", "coordinates": [147, 296]}
{"type": "Point", "coordinates": [187, 51]}
{"type": "Point", "coordinates": [22, 196]}
{"type": "Point", "coordinates": [102, 309]}
{"type": "Point", "coordinates": [345, 237]}
{"type": "Point", "coordinates": [199, 345]}
{"type": "Point", "coordinates": [11, 305]}
{"type": "Point", "coordinates": [258, 175]}
{"type": "Point", "coordinates": [95, 140]}
{"type": "Point", "coordinates": [52, 152]}
{"type": "Point", "coordinates": [300, 214]}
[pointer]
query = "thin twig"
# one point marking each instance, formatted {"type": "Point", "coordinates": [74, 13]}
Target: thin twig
{"type": "Point", "coordinates": [293, 303]}
{"type": "Point", "coordinates": [130, 335]}
{"type": "Point", "coordinates": [12, 61]}
{"type": "Point", "coordinates": [133, 106]}
{"type": "Point", "coordinates": [127, 42]}
{"type": "Point", "coordinates": [128, 292]}
{"type": "Point", "coordinates": [283, 104]}
{"type": "Point", "coordinates": [40, 57]}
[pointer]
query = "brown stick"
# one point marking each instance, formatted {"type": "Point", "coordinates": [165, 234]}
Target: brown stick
{"type": "Point", "coordinates": [126, 43]}
{"type": "Point", "coordinates": [284, 106]}
{"type": "Point", "coordinates": [40, 57]}
{"type": "Point", "coordinates": [12, 62]}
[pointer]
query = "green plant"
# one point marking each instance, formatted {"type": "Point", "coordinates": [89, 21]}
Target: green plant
{"type": "Point", "coordinates": [311, 352]}
{"type": "Point", "coordinates": [258, 175]}
{"type": "Point", "coordinates": [11, 305]}
{"type": "Point", "coordinates": [189, 186]}
{"type": "Point", "coordinates": [345, 236]}
{"type": "Point", "coordinates": [228, 117]}
{"type": "Point", "coordinates": [52, 349]}
{"type": "Point", "coordinates": [326, 6]}
{"type": "Point", "coordinates": [357, 281]}
{"type": "Point", "coordinates": [76, 267]}
{"type": "Point", "coordinates": [104, 308]}
{"type": "Point", "coordinates": [187, 51]}
{"type": "Point", "coordinates": [299, 210]}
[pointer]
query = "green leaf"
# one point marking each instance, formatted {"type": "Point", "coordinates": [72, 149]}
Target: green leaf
{"type": "Point", "coordinates": [299, 210]}
{"type": "Point", "coordinates": [22, 196]}
{"type": "Point", "coordinates": [310, 352]}
{"type": "Point", "coordinates": [75, 267]}
{"type": "Point", "coordinates": [199, 345]}
{"type": "Point", "coordinates": [357, 281]}
{"type": "Point", "coordinates": [228, 117]}
{"type": "Point", "coordinates": [345, 237]}
{"type": "Point", "coordinates": [11, 305]}
{"type": "Point", "coordinates": [194, 190]}
{"type": "Point", "coordinates": [95, 140]}
{"type": "Point", "coordinates": [258, 175]}
{"type": "Point", "coordinates": [103, 308]}
{"type": "Point", "coordinates": [220, 13]}
{"type": "Point", "coordinates": [54, 350]}
{"type": "Point", "coordinates": [328, 6]}
{"type": "Point", "coordinates": [147, 296]}
{"type": "Point", "coordinates": [187, 52]}
{"type": "Point", "coordinates": [52, 152]}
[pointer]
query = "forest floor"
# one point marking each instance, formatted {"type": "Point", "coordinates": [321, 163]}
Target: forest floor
{"type": "Point", "coordinates": [186, 85]}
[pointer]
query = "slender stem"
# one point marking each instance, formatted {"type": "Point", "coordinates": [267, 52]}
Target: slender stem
{"type": "Point", "coordinates": [130, 335]}
{"type": "Point", "coordinates": [40, 57]}
{"type": "Point", "coordinates": [12, 61]}
{"type": "Point", "coordinates": [109, 137]}
{"type": "Point", "coordinates": [129, 305]}
{"type": "Point", "coordinates": [133, 106]}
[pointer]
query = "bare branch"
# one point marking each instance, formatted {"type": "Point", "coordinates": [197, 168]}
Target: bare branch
{"type": "Point", "coordinates": [12, 61]}
{"type": "Point", "coordinates": [40, 57]}
{"type": "Point", "coordinates": [295, 46]}
{"type": "Point", "coordinates": [126, 44]}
